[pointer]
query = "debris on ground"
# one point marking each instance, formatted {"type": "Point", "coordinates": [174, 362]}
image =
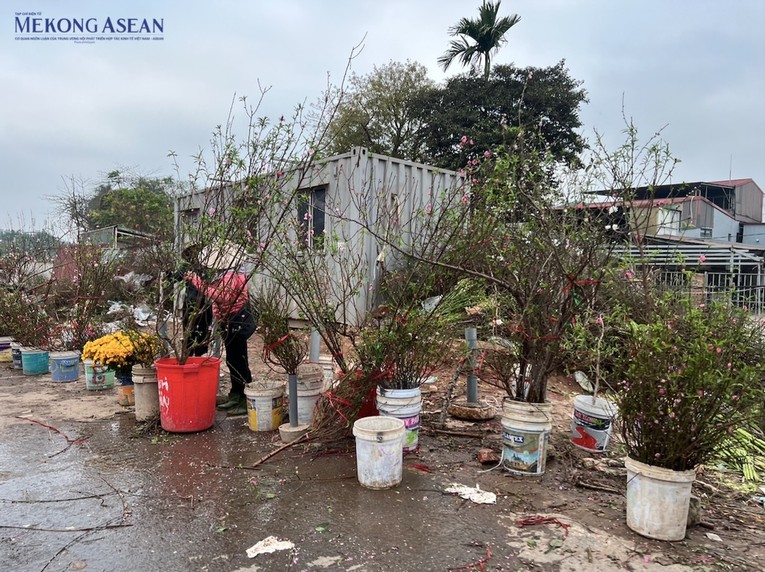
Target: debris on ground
{"type": "Point", "coordinates": [488, 457]}
{"type": "Point", "coordinates": [268, 545]}
{"type": "Point", "coordinates": [475, 495]}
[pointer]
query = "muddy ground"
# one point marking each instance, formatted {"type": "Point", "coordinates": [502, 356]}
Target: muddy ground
{"type": "Point", "coordinates": [81, 489]}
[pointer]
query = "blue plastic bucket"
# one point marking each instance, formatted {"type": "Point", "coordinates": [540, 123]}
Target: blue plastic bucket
{"type": "Point", "coordinates": [65, 366]}
{"type": "Point", "coordinates": [34, 362]}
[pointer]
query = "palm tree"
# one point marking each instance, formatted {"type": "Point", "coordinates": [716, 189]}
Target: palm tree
{"type": "Point", "coordinates": [487, 35]}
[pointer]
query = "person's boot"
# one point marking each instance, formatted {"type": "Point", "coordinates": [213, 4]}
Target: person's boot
{"type": "Point", "coordinates": [234, 400]}
{"type": "Point", "coordinates": [240, 409]}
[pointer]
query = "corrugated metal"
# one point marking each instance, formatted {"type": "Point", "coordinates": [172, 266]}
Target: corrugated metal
{"type": "Point", "coordinates": [360, 185]}
{"type": "Point", "coordinates": [748, 202]}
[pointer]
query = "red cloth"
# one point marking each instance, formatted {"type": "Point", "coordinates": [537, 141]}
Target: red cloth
{"type": "Point", "coordinates": [228, 293]}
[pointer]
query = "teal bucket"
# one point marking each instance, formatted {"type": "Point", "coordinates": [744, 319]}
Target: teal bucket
{"type": "Point", "coordinates": [65, 366]}
{"type": "Point", "coordinates": [34, 362]}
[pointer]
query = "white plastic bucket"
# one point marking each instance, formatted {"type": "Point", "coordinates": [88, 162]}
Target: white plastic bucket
{"type": "Point", "coordinates": [146, 393]}
{"type": "Point", "coordinates": [658, 500]}
{"type": "Point", "coordinates": [379, 451]}
{"type": "Point", "coordinates": [265, 407]}
{"type": "Point", "coordinates": [592, 423]}
{"type": "Point", "coordinates": [404, 404]}
{"type": "Point", "coordinates": [526, 429]}
{"type": "Point", "coordinates": [308, 393]}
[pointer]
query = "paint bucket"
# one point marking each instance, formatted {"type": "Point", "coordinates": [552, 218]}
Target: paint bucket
{"type": "Point", "coordinates": [187, 393]}
{"type": "Point", "coordinates": [145, 393]}
{"type": "Point", "coordinates": [328, 370]}
{"type": "Point", "coordinates": [526, 429]}
{"type": "Point", "coordinates": [379, 451]}
{"type": "Point", "coordinates": [592, 423]}
{"type": "Point", "coordinates": [97, 376]}
{"type": "Point", "coordinates": [265, 407]}
{"type": "Point", "coordinates": [658, 500]}
{"type": "Point", "coordinates": [6, 356]}
{"type": "Point", "coordinates": [34, 361]}
{"type": "Point", "coordinates": [16, 355]}
{"type": "Point", "coordinates": [125, 390]}
{"type": "Point", "coordinates": [308, 393]}
{"type": "Point", "coordinates": [64, 366]}
{"type": "Point", "coordinates": [404, 404]}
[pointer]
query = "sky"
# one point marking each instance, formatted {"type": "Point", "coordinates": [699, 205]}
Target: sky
{"type": "Point", "coordinates": [73, 110]}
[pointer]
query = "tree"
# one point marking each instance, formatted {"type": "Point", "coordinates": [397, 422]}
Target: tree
{"type": "Point", "coordinates": [132, 201]}
{"type": "Point", "coordinates": [487, 34]}
{"type": "Point", "coordinates": [539, 104]}
{"type": "Point", "coordinates": [378, 111]}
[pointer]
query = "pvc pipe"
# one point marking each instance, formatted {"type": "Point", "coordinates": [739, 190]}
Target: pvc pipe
{"type": "Point", "coordinates": [292, 385]}
{"type": "Point", "coordinates": [315, 342]}
{"type": "Point", "coordinates": [471, 336]}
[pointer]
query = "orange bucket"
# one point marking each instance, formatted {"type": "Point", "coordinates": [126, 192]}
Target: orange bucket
{"type": "Point", "coordinates": [187, 393]}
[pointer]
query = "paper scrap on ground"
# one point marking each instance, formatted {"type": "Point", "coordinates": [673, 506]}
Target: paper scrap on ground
{"type": "Point", "coordinates": [268, 545]}
{"type": "Point", "coordinates": [475, 495]}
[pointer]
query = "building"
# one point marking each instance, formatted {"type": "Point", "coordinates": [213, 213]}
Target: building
{"type": "Point", "coordinates": [714, 229]}
{"type": "Point", "coordinates": [340, 197]}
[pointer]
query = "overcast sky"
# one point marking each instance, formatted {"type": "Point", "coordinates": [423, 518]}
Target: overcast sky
{"type": "Point", "coordinates": [70, 109]}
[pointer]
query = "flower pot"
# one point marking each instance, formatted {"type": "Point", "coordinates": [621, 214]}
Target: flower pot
{"type": "Point", "coordinates": [592, 423]}
{"type": "Point", "coordinates": [145, 393]}
{"type": "Point", "coordinates": [125, 392]}
{"type": "Point", "coordinates": [34, 361]}
{"type": "Point", "coordinates": [658, 500]}
{"type": "Point", "coordinates": [526, 429]}
{"type": "Point", "coordinates": [265, 407]}
{"type": "Point", "coordinates": [187, 393]}
{"type": "Point", "coordinates": [379, 451]}
{"type": "Point", "coordinates": [404, 404]}
{"type": "Point", "coordinates": [65, 366]}
{"type": "Point", "coordinates": [97, 376]}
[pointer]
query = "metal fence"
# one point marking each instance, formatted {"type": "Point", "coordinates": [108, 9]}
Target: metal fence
{"type": "Point", "coordinates": [742, 289]}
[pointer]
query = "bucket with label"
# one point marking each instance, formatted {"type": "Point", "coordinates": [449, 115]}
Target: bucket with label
{"type": "Point", "coordinates": [526, 429]}
{"type": "Point", "coordinates": [592, 423]}
{"type": "Point", "coordinates": [6, 356]}
{"type": "Point", "coordinates": [34, 361]}
{"type": "Point", "coordinates": [379, 451]}
{"type": "Point", "coordinates": [404, 404]}
{"type": "Point", "coordinates": [64, 366]}
{"type": "Point", "coordinates": [97, 376]}
{"type": "Point", "coordinates": [265, 407]}
{"type": "Point", "coordinates": [16, 355]}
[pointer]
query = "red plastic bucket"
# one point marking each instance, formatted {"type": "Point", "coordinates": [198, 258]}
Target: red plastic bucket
{"type": "Point", "coordinates": [187, 393]}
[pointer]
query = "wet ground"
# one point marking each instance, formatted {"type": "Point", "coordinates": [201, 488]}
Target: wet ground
{"type": "Point", "coordinates": [81, 490]}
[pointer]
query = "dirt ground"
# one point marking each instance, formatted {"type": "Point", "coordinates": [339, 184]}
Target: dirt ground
{"type": "Point", "coordinates": [82, 489]}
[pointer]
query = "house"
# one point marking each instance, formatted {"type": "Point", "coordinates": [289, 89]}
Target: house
{"type": "Point", "coordinates": [336, 196]}
{"type": "Point", "coordinates": [715, 228]}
